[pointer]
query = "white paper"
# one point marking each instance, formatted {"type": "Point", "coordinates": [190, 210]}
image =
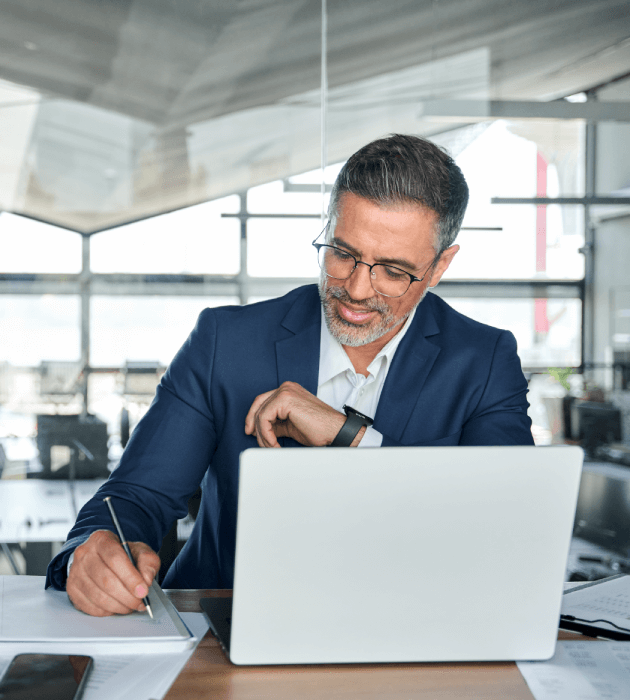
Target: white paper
{"type": "Point", "coordinates": [609, 600]}
{"type": "Point", "coordinates": [58, 622]}
{"type": "Point", "coordinates": [581, 671]}
{"type": "Point", "coordinates": [129, 676]}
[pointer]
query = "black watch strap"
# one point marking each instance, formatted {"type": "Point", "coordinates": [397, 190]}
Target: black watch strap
{"type": "Point", "coordinates": [349, 430]}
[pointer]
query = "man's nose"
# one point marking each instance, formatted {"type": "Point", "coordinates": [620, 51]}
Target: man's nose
{"type": "Point", "coordinates": [358, 285]}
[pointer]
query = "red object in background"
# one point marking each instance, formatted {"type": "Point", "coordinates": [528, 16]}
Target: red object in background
{"type": "Point", "coordinates": [541, 320]}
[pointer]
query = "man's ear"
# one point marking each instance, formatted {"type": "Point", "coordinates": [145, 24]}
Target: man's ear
{"type": "Point", "coordinates": [442, 265]}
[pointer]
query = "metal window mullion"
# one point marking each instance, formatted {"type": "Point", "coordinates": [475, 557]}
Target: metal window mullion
{"type": "Point", "coordinates": [588, 291]}
{"type": "Point", "coordinates": [85, 286]}
{"type": "Point", "coordinates": [243, 276]}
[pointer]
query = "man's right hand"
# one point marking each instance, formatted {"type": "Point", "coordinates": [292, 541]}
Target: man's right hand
{"type": "Point", "coordinates": [102, 581]}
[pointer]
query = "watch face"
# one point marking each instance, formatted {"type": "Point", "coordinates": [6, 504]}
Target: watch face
{"type": "Point", "coordinates": [353, 412]}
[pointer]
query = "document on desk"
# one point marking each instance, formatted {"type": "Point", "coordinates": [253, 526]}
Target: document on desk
{"type": "Point", "coordinates": [599, 603]}
{"type": "Point", "coordinates": [581, 671]}
{"type": "Point", "coordinates": [131, 676]}
{"type": "Point", "coordinates": [46, 619]}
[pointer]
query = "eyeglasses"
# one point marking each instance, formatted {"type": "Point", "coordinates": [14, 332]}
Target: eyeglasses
{"type": "Point", "coordinates": [387, 280]}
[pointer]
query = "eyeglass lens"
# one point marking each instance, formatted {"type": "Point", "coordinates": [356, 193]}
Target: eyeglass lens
{"type": "Point", "coordinates": [385, 279]}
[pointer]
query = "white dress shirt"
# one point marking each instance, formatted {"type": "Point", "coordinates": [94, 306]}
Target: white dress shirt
{"type": "Point", "coordinates": [339, 384]}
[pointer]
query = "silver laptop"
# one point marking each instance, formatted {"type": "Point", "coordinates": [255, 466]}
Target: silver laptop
{"type": "Point", "coordinates": [399, 554]}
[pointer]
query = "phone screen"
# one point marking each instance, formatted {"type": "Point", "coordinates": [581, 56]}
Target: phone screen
{"type": "Point", "coordinates": [45, 677]}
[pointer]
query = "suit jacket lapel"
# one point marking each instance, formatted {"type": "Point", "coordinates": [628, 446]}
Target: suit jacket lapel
{"type": "Point", "coordinates": [298, 355]}
{"type": "Point", "coordinates": [410, 368]}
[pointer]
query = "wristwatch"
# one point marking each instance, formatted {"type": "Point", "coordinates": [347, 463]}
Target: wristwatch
{"type": "Point", "coordinates": [349, 430]}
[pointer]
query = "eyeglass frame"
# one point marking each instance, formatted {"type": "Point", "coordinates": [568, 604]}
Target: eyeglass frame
{"type": "Point", "coordinates": [412, 278]}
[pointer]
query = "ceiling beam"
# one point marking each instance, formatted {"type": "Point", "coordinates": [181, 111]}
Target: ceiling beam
{"type": "Point", "coordinates": [584, 201]}
{"type": "Point", "coordinates": [483, 110]}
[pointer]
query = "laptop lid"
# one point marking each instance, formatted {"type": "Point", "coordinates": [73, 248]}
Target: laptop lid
{"type": "Point", "coordinates": [401, 554]}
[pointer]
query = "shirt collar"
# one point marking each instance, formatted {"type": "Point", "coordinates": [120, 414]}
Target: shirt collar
{"type": "Point", "coordinates": [333, 359]}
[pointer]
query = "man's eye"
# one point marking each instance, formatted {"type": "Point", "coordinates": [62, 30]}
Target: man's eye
{"type": "Point", "coordinates": [340, 255]}
{"type": "Point", "coordinates": [394, 273]}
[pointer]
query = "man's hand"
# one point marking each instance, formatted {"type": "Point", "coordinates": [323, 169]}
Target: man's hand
{"type": "Point", "coordinates": [102, 580]}
{"type": "Point", "coordinates": [291, 411]}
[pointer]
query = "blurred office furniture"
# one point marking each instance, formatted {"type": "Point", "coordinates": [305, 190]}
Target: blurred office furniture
{"type": "Point", "coordinates": [5, 381]}
{"type": "Point", "coordinates": [591, 562]}
{"type": "Point", "coordinates": [603, 508]}
{"type": "Point", "coordinates": [6, 550]}
{"type": "Point", "coordinates": [140, 382]}
{"type": "Point", "coordinates": [58, 378]}
{"type": "Point", "coordinates": [595, 424]}
{"type": "Point", "coordinates": [125, 427]}
{"type": "Point", "coordinates": [621, 400]}
{"type": "Point", "coordinates": [38, 513]}
{"type": "Point", "coordinates": [621, 370]}
{"type": "Point", "coordinates": [19, 457]}
{"type": "Point", "coordinates": [72, 446]}
{"type": "Point", "coordinates": [141, 378]}
{"type": "Point", "coordinates": [619, 315]}
{"type": "Point", "coordinates": [567, 402]}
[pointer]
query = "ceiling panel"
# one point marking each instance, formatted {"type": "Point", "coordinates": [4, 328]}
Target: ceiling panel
{"type": "Point", "coordinates": [114, 110]}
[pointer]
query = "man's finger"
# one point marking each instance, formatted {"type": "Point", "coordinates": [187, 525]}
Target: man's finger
{"type": "Point", "coordinates": [147, 561]}
{"type": "Point", "coordinates": [125, 582]}
{"type": "Point", "coordinates": [91, 579]}
{"type": "Point", "coordinates": [116, 559]}
{"type": "Point", "coordinates": [270, 420]}
{"type": "Point", "coordinates": [264, 433]}
{"type": "Point", "coordinates": [111, 599]}
{"type": "Point", "coordinates": [264, 437]}
{"type": "Point", "coordinates": [250, 419]}
{"type": "Point", "coordinates": [83, 603]}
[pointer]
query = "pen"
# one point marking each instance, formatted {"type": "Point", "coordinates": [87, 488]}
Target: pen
{"type": "Point", "coordinates": [123, 542]}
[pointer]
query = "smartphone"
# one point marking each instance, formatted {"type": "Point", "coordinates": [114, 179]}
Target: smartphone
{"type": "Point", "coordinates": [45, 677]}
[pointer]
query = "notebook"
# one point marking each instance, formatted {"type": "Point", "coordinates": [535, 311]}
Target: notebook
{"type": "Point", "coordinates": [45, 621]}
{"type": "Point", "coordinates": [399, 554]}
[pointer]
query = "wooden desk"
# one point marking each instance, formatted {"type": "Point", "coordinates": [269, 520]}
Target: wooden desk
{"type": "Point", "coordinates": [210, 675]}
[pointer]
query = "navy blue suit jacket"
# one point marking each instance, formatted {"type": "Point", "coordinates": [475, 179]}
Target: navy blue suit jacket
{"type": "Point", "coordinates": [453, 381]}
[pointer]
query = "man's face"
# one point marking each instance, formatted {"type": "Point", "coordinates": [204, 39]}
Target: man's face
{"type": "Point", "coordinates": [402, 235]}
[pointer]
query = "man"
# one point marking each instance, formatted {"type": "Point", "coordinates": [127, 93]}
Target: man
{"type": "Point", "coordinates": [278, 373]}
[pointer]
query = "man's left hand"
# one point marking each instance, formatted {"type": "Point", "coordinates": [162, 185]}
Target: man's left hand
{"type": "Point", "coordinates": [292, 411]}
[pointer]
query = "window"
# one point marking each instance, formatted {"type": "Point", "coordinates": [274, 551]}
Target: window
{"type": "Point", "coordinates": [144, 328]}
{"type": "Point", "coordinates": [196, 240]}
{"type": "Point", "coordinates": [27, 245]}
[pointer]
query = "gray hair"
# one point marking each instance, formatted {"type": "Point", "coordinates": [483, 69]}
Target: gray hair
{"type": "Point", "coordinates": [402, 168]}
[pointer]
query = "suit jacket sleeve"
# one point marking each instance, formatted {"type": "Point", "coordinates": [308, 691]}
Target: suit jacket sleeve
{"type": "Point", "coordinates": [172, 445]}
{"type": "Point", "coordinates": [500, 418]}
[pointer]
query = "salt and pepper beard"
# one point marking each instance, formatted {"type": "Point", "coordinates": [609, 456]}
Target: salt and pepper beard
{"type": "Point", "coordinates": [355, 335]}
